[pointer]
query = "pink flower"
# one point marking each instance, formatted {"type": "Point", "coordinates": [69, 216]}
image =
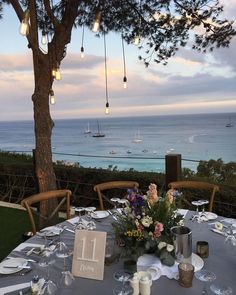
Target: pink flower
{"type": "Point", "coordinates": [152, 194]}
{"type": "Point", "coordinates": [159, 227]}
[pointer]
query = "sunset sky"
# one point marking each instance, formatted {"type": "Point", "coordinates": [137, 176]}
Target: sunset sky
{"type": "Point", "coordinates": [190, 83]}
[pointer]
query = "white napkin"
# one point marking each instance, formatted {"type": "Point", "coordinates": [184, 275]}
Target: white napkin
{"type": "Point", "coordinates": [12, 288]}
{"type": "Point", "coordinates": [153, 265]}
{"type": "Point", "coordinates": [74, 220]}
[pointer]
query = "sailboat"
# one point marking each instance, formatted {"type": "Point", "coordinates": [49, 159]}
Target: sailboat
{"type": "Point", "coordinates": [98, 134]}
{"type": "Point", "coordinates": [87, 130]}
{"type": "Point", "coordinates": [229, 124]}
{"type": "Point", "coordinates": [137, 138]}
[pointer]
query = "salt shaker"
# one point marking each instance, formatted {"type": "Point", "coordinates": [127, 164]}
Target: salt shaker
{"type": "Point", "coordinates": [145, 285]}
{"type": "Point", "coordinates": [35, 285]}
{"type": "Point", "coordinates": [134, 283]}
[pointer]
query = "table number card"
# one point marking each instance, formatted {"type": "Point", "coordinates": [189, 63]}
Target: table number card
{"type": "Point", "coordinates": [89, 254]}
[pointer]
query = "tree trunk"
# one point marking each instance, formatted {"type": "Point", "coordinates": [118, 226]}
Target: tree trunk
{"type": "Point", "coordinates": [43, 129]}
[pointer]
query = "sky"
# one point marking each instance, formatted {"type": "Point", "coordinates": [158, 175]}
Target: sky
{"type": "Point", "coordinates": [192, 82]}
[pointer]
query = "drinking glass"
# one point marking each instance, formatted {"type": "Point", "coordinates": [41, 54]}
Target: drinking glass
{"type": "Point", "coordinates": [197, 215]}
{"type": "Point", "coordinates": [67, 278]}
{"type": "Point", "coordinates": [80, 224]}
{"type": "Point", "coordinates": [230, 238]}
{"type": "Point", "coordinates": [205, 276]}
{"type": "Point", "coordinates": [91, 225]}
{"type": "Point", "coordinates": [49, 286]}
{"type": "Point", "coordinates": [46, 253]}
{"type": "Point", "coordinates": [62, 250]}
{"type": "Point", "coordinates": [204, 202]}
{"type": "Point", "coordinates": [123, 277]}
{"type": "Point", "coordinates": [115, 201]}
{"type": "Point", "coordinates": [221, 289]}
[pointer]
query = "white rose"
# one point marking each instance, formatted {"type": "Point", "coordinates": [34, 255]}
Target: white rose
{"type": "Point", "coordinates": [161, 245]}
{"type": "Point", "coordinates": [170, 248]}
{"type": "Point", "coordinates": [147, 221]}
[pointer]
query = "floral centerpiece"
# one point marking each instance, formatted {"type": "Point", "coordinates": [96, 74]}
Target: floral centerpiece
{"type": "Point", "coordinates": [145, 222]}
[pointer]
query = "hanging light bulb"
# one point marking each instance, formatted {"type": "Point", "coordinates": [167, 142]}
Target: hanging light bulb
{"type": "Point", "coordinates": [58, 74]}
{"type": "Point", "coordinates": [107, 110]}
{"type": "Point", "coordinates": [125, 82]}
{"type": "Point", "coordinates": [52, 97]}
{"type": "Point", "coordinates": [96, 24]}
{"type": "Point", "coordinates": [44, 39]}
{"type": "Point", "coordinates": [82, 52]}
{"type": "Point", "coordinates": [24, 26]}
{"type": "Point", "coordinates": [137, 40]}
{"type": "Point", "coordinates": [54, 72]}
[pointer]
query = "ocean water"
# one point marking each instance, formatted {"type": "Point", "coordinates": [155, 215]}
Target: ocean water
{"type": "Point", "coordinates": [195, 137]}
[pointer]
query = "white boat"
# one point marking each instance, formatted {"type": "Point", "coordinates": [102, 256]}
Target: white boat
{"type": "Point", "coordinates": [137, 138]}
{"type": "Point", "coordinates": [229, 124]}
{"type": "Point", "coordinates": [87, 130]}
{"type": "Point", "coordinates": [99, 133]}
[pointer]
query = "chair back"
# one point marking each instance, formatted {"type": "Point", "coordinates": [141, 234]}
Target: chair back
{"type": "Point", "coordinates": [64, 195]}
{"type": "Point", "coordinates": [99, 188]}
{"type": "Point", "coordinates": [197, 185]}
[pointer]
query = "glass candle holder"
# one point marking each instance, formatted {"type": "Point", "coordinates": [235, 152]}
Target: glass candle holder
{"type": "Point", "coordinates": [202, 249]}
{"type": "Point", "coordinates": [186, 271]}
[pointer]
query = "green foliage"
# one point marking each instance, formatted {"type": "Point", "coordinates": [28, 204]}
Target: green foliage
{"type": "Point", "coordinates": [217, 171]}
{"type": "Point", "coordinates": [14, 223]}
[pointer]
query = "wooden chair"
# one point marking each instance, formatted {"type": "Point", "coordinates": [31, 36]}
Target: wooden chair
{"type": "Point", "coordinates": [64, 195]}
{"type": "Point", "coordinates": [99, 188]}
{"type": "Point", "coordinates": [197, 185]}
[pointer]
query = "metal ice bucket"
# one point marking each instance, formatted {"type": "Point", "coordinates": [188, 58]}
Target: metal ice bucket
{"type": "Point", "coordinates": [182, 238]}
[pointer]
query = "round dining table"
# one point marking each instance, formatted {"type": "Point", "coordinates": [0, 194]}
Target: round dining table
{"type": "Point", "coordinates": [221, 261]}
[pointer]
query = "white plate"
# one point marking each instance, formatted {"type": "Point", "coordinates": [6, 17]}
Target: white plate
{"type": "Point", "coordinates": [211, 216]}
{"type": "Point", "coordinates": [14, 262]}
{"type": "Point", "coordinates": [231, 221]}
{"type": "Point", "coordinates": [197, 262]}
{"type": "Point", "coordinates": [50, 231]}
{"type": "Point", "coordinates": [99, 214]}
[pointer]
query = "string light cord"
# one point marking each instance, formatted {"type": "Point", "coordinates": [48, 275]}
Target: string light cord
{"type": "Point", "coordinates": [105, 64]}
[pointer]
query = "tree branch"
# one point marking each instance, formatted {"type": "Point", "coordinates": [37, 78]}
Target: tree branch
{"type": "Point", "coordinates": [50, 14]}
{"type": "Point", "coordinates": [18, 9]}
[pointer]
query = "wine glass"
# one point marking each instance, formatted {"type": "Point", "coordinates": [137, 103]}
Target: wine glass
{"type": "Point", "coordinates": [123, 276]}
{"type": "Point", "coordinates": [221, 289]}
{"type": "Point", "coordinates": [115, 201]}
{"type": "Point", "coordinates": [80, 224]}
{"type": "Point", "coordinates": [204, 202]}
{"type": "Point", "coordinates": [62, 250]}
{"type": "Point", "coordinates": [46, 252]}
{"type": "Point", "coordinates": [66, 279]}
{"type": "Point", "coordinates": [205, 276]}
{"type": "Point", "coordinates": [230, 238]}
{"type": "Point", "coordinates": [91, 225]}
{"type": "Point", "coordinates": [49, 286]}
{"type": "Point", "coordinates": [197, 215]}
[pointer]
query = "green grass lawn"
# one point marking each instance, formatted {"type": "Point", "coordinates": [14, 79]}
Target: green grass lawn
{"type": "Point", "coordinates": [13, 224]}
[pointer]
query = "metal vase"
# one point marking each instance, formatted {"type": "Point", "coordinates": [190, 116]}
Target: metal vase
{"type": "Point", "coordinates": [182, 238]}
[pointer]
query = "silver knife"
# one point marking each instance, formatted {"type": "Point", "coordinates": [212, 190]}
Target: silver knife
{"type": "Point", "coordinates": [17, 266]}
{"type": "Point", "coordinates": [219, 232]}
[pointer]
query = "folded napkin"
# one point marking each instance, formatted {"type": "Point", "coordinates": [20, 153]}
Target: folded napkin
{"type": "Point", "coordinates": [25, 287]}
{"type": "Point", "coordinates": [75, 220]}
{"type": "Point", "coordinates": [153, 265]}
